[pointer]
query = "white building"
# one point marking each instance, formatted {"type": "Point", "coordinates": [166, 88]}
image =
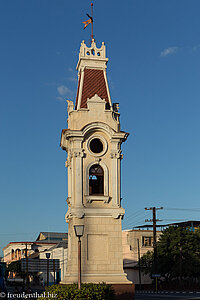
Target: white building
{"type": "Point", "coordinates": [55, 243]}
{"type": "Point", "coordinates": [59, 252]}
{"type": "Point", "coordinates": [135, 243]}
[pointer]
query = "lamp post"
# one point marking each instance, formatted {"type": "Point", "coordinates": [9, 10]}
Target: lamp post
{"type": "Point", "coordinates": [79, 233]}
{"type": "Point", "coordinates": [48, 256]}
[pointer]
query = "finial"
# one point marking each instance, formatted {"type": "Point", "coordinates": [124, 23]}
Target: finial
{"type": "Point", "coordinates": [90, 21]}
{"type": "Point", "coordinates": [92, 35]}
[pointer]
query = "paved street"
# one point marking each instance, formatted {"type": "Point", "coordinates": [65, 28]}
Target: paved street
{"type": "Point", "coordinates": [168, 296]}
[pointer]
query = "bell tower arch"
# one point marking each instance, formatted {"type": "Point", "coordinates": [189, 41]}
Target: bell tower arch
{"type": "Point", "coordinates": [93, 143]}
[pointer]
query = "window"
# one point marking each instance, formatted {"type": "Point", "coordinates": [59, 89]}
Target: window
{"type": "Point", "coordinates": [96, 180]}
{"type": "Point", "coordinates": [147, 241]}
{"type": "Point", "coordinates": [96, 145]}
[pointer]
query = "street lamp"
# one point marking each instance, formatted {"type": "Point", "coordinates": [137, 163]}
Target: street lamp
{"type": "Point", "coordinates": [48, 256]}
{"type": "Point", "coordinates": [79, 233]}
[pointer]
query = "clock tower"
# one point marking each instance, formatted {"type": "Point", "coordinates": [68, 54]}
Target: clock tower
{"type": "Point", "coordinates": [93, 144]}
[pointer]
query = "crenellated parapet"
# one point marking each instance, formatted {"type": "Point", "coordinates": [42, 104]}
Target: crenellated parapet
{"type": "Point", "coordinates": [95, 57]}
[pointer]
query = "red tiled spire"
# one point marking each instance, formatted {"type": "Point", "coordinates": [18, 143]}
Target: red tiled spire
{"type": "Point", "coordinates": [93, 83]}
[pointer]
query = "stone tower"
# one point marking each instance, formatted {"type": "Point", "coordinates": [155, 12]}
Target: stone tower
{"type": "Point", "coordinates": [93, 142]}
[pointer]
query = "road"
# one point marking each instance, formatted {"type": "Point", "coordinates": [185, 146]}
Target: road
{"type": "Point", "coordinates": [168, 296]}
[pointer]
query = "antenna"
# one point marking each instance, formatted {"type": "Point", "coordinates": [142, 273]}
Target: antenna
{"type": "Point", "coordinates": [90, 21]}
{"type": "Point", "coordinates": [92, 35]}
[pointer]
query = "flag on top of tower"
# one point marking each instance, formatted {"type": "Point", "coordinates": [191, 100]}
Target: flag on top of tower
{"type": "Point", "coordinates": [88, 21]}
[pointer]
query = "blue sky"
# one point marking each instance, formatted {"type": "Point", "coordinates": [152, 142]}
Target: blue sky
{"type": "Point", "coordinates": [153, 48]}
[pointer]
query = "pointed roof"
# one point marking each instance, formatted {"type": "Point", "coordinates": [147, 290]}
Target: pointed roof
{"type": "Point", "coordinates": [92, 75]}
{"type": "Point", "coordinates": [93, 83]}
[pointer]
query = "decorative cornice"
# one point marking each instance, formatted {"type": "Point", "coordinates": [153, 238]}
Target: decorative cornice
{"type": "Point", "coordinates": [114, 212]}
{"type": "Point", "coordinates": [121, 135]}
{"type": "Point", "coordinates": [91, 127]}
{"type": "Point", "coordinates": [74, 213]}
{"type": "Point", "coordinates": [105, 199]}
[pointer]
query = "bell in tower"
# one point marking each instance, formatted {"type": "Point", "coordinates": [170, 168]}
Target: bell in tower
{"type": "Point", "coordinates": [93, 143]}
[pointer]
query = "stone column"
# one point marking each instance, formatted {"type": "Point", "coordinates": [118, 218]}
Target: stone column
{"type": "Point", "coordinates": [78, 177]}
{"type": "Point", "coordinates": [115, 156]}
{"type": "Point", "coordinates": [68, 165]}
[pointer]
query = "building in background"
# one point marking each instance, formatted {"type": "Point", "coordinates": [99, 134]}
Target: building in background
{"type": "Point", "coordinates": [55, 243]}
{"type": "Point", "coordinates": [135, 243]}
{"type": "Point", "coordinates": [59, 252]}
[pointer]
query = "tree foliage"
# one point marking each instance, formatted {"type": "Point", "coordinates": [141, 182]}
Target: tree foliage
{"type": "Point", "coordinates": [15, 267]}
{"type": "Point", "coordinates": [178, 254]}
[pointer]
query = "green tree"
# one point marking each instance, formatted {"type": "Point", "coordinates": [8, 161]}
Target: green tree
{"type": "Point", "coordinates": [15, 267]}
{"type": "Point", "coordinates": [178, 255]}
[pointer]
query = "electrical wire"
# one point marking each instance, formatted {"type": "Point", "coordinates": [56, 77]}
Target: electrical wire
{"type": "Point", "coordinates": [22, 233]}
{"type": "Point", "coordinates": [183, 209]}
{"type": "Point", "coordinates": [128, 216]}
{"type": "Point", "coordinates": [133, 221]}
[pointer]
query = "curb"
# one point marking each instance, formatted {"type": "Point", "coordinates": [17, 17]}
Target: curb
{"type": "Point", "coordinates": [166, 292]}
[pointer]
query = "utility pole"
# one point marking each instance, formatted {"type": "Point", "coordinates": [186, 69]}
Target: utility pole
{"type": "Point", "coordinates": [139, 263]}
{"type": "Point", "coordinates": [48, 256]}
{"type": "Point", "coordinates": [27, 277]}
{"type": "Point", "coordinates": [154, 220]}
{"type": "Point", "coordinates": [180, 267]}
{"type": "Point", "coordinates": [54, 273]}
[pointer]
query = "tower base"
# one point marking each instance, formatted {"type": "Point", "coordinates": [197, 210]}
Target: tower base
{"type": "Point", "coordinates": [124, 291]}
{"type": "Point", "coordinates": [114, 279]}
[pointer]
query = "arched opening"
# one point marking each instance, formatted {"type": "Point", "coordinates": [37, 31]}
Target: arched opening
{"type": "Point", "coordinates": [18, 254]}
{"type": "Point", "coordinates": [96, 180]}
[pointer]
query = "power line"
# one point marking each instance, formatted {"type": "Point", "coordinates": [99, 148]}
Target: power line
{"type": "Point", "coordinates": [174, 220]}
{"type": "Point", "coordinates": [183, 209]}
{"type": "Point", "coordinates": [22, 233]}
{"type": "Point", "coordinates": [133, 222]}
{"type": "Point", "coordinates": [137, 213]}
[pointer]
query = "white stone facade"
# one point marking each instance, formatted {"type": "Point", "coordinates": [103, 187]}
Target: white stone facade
{"type": "Point", "coordinates": [93, 143]}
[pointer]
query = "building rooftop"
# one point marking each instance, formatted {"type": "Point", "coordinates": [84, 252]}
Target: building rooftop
{"type": "Point", "coordinates": [182, 224]}
{"type": "Point", "coordinates": [51, 237]}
